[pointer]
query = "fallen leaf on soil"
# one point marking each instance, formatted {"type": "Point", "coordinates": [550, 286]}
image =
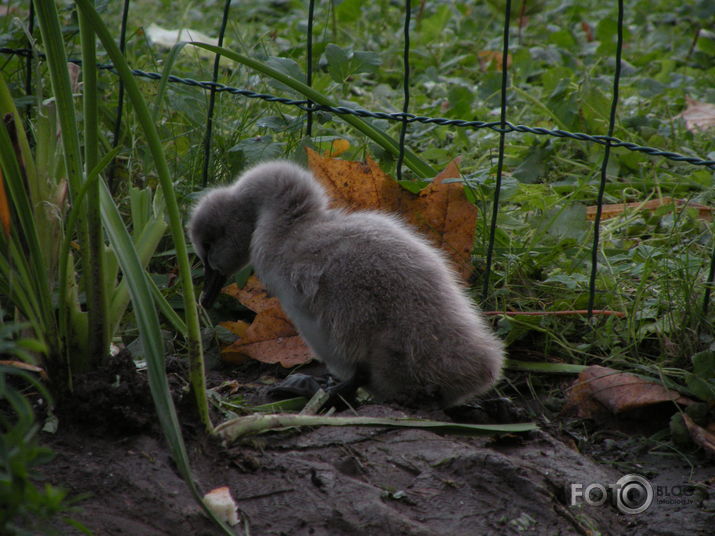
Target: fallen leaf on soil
{"type": "Point", "coordinates": [700, 435]}
{"type": "Point", "coordinates": [611, 211]}
{"type": "Point", "coordinates": [442, 212]}
{"type": "Point", "coordinates": [698, 115]}
{"type": "Point", "coordinates": [238, 327]}
{"type": "Point", "coordinates": [270, 338]}
{"type": "Point", "coordinates": [287, 351]}
{"type": "Point", "coordinates": [619, 392]}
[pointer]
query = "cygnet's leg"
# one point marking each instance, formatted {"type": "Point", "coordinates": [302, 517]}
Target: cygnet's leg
{"type": "Point", "coordinates": [299, 384]}
{"type": "Point", "coordinates": [345, 390]}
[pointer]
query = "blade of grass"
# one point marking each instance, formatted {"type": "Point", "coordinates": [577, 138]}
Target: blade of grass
{"type": "Point", "coordinates": [414, 162]}
{"type": "Point", "coordinates": [145, 244]}
{"type": "Point", "coordinates": [547, 368]}
{"type": "Point", "coordinates": [164, 81]}
{"type": "Point", "coordinates": [166, 309]}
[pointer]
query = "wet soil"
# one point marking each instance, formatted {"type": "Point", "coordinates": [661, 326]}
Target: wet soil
{"type": "Point", "coordinates": [362, 481]}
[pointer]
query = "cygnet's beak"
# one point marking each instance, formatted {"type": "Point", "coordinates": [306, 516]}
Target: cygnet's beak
{"type": "Point", "coordinates": [213, 283]}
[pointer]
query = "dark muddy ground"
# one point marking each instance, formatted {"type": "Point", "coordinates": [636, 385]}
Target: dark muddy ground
{"type": "Point", "coordinates": [358, 481]}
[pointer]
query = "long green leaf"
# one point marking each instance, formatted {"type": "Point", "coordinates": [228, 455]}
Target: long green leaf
{"type": "Point", "coordinates": [139, 288]}
{"type": "Point", "coordinates": [164, 81]}
{"type": "Point", "coordinates": [71, 222]}
{"type": "Point", "coordinates": [548, 368]}
{"type": "Point", "coordinates": [198, 378]}
{"type": "Point", "coordinates": [166, 309]}
{"type": "Point", "coordinates": [97, 294]}
{"type": "Point", "coordinates": [25, 270]}
{"type": "Point", "coordinates": [54, 47]}
{"type": "Point", "coordinates": [150, 334]}
{"type": "Point", "coordinates": [145, 244]}
{"type": "Point", "coordinates": [414, 162]}
{"type": "Point", "coordinates": [257, 423]}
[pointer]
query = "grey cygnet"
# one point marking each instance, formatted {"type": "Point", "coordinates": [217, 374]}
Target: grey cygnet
{"type": "Point", "coordinates": [374, 300]}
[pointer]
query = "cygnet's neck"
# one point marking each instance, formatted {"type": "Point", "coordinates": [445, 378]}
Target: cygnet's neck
{"type": "Point", "coordinates": [283, 194]}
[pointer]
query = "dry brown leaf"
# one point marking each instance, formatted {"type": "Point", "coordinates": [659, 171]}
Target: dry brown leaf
{"type": "Point", "coordinates": [270, 338]}
{"type": "Point", "coordinates": [253, 295]}
{"type": "Point", "coordinates": [337, 147]}
{"type": "Point", "coordinates": [440, 211]}
{"type": "Point", "coordinates": [357, 185]}
{"type": "Point", "coordinates": [698, 115]}
{"type": "Point", "coordinates": [616, 209]}
{"type": "Point", "coordinates": [618, 392]}
{"type": "Point", "coordinates": [588, 31]}
{"type": "Point", "coordinates": [238, 327]}
{"type": "Point", "coordinates": [581, 403]}
{"type": "Point", "coordinates": [288, 351]}
{"type": "Point", "coordinates": [269, 324]}
{"type": "Point", "coordinates": [700, 435]}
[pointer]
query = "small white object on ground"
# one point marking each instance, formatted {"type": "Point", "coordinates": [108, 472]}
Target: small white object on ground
{"type": "Point", "coordinates": [220, 502]}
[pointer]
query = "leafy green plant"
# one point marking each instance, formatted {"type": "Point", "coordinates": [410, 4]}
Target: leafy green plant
{"type": "Point", "coordinates": [27, 507]}
{"type": "Point", "coordinates": [702, 380]}
{"type": "Point", "coordinates": [39, 249]}
{"type": "Point", "coordinates": [31, 288]}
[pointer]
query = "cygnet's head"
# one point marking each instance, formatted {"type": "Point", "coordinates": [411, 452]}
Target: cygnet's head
{"type": "Point", "coordinates": [224, 220]}
{"type": "Point", "coordinates": [220, 229]}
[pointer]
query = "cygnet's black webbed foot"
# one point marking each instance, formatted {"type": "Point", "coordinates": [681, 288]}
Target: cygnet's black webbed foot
{"type": "Point", "coordinates": [297, 384]}
{"type": "Point", "coordinates": [499, 410]}
{"type": "Point", "coordinates": [340, 395]}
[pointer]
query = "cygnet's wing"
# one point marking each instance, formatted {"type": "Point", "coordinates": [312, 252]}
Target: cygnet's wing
{"type": "Point", "coordinates": [366, 277]}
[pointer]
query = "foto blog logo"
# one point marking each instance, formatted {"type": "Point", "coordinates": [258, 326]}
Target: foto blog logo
{"type": "Point", "coordinates": [632, 494]}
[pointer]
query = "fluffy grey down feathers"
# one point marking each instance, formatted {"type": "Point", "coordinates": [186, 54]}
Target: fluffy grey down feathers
{"type": "Point", "coordinates": [361, 287]}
